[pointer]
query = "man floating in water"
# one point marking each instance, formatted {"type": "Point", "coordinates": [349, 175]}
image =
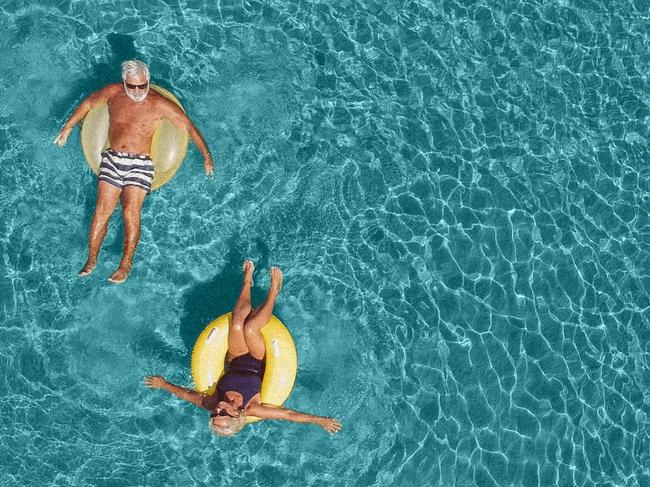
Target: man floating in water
{"type": "Point", "coordinates": [126, 169]}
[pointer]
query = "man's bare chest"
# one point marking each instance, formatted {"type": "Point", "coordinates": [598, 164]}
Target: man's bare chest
{"type": "Point", "coordinates": [130, 115]}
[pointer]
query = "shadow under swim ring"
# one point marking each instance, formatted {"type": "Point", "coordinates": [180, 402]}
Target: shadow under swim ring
{"type": "Point", "coordinates": [168, 144]}
{"type": "Point", "coordinates": [209, 354]}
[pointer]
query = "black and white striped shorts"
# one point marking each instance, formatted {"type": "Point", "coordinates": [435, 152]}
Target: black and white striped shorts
{"type": "Point", "coordinates": [123, 169]}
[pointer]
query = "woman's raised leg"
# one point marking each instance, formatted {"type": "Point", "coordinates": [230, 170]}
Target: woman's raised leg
{"type": "Point", "coordinates": [260, 317]}
{"type": "Point", "coordinates": [236, 342]}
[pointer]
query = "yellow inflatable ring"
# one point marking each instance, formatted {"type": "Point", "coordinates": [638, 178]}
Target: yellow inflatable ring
{"type": "Point", "coordinates": [168, 145]}
{"type": "Point", "coordinates": [210, 350]}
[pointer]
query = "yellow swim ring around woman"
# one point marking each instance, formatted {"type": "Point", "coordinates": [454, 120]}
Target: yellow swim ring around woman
{"type": "Point", "coordinates": [209, 355]}
{"type": "Point", "coordinates": [168, 144]}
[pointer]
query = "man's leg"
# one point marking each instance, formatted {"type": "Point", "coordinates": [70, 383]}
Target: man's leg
{"type": "Point", "coordinates": [132, 199]}
{"type": "Point", "coordinates": [260, 317]}
{"type": "Point", "coordinates": [107, 197]}
{"type": "Point", "coordinates": [236, 342]}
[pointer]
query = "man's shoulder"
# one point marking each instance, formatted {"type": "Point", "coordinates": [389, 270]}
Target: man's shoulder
{"type": "Point", "coordinates": [160, 98]}
{"type": "Point", "coordinates": [163, 103]}
{"type": "Point", "coordinates": [112, 89]}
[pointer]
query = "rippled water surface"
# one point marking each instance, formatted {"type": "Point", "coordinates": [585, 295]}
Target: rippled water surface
{"type": "Point", "coordinates": [458, 193]}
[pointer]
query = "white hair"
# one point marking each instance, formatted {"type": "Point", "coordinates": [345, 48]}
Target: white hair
{"type": "Point", "coordinates": [134, 68]}
{"type": "Point", "coordinates": [234, 426]}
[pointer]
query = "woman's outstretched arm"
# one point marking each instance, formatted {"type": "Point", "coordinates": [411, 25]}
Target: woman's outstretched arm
{"type": "Point", "coordinates": [266, 411]}
{"type": "Point", "coordinates": [189, 395]}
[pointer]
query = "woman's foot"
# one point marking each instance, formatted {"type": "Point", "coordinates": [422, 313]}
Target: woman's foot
{"type": "Point", "coordinates": [249, 267]}
{"type": "Point", "coordinates": [88, 268]}
{"type": "Point", "coordinates": [276, 281]}
{"type": "Point", "coordinates": [120, 275]}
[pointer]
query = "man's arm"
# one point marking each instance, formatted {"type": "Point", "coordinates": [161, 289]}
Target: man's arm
{"type": "Point", "coordinates": [82, 110]}
{"type": "Point", "coordinates": [267, 411]}
{"type": "Point", "coordinates": [189, 395]}
{"type": "Point", "coordinates": [177, 116]}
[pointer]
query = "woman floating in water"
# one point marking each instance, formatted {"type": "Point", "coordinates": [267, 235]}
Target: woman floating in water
{"type": "Point", "coordinates": [238, 390]}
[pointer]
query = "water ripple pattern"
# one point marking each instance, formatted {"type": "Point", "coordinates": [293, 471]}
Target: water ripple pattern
{"type": "Point", "coordinates": [458, 192]}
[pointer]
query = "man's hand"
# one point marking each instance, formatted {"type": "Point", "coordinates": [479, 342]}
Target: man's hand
{"type": "Point", "coordinates": [208, 165]}
{"type": "Point", "coordinates": [62, 138]}
{"type": "Point", "coordinates": [330, 425]}
{"type": "Point", "coordinates": [155, 381]}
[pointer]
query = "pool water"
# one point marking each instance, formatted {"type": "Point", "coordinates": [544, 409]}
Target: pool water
{"type": "Point", "coordinates": [458, 195]}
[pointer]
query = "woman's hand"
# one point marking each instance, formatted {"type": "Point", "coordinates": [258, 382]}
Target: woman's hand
{"type": "Point", "coordinates": [330, 425]}
{"type": "Point", "coordinates": [155, 381]}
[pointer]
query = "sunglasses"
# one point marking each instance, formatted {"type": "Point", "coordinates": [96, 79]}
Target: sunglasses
{"type": "Point", "coordinates": [133, 87]}
{"type": "Point", "coordinates": [223, 412]}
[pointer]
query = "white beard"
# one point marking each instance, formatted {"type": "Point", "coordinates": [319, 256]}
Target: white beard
{"type": "Point", "coordinates": [135, 98]}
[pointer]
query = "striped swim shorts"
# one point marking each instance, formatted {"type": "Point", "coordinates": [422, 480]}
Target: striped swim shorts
{"type": "Point", "coordinates": [122, 169]}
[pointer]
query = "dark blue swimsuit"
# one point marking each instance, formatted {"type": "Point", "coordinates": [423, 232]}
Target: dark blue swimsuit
{"type": "Point", "coordinates": [244, 374]}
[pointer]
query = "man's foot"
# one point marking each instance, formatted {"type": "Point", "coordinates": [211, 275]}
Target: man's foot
{"type": "Point", "coordinates": [276, 281]}
{"type": "Point", "coordinates": [88, 268]}
{"type": "Point", "coordinates": [249, 267]}
{"type": "Point", "coordinates": [120, 275]}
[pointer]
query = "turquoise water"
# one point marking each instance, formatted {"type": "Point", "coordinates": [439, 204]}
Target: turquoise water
{"type": "Point", "coordinates": [458, 193]}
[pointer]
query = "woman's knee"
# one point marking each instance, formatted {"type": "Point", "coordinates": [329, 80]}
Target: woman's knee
{"type": "Point", "coordinates": [251, 331]}
{"type": "Point", "coordinates": [237, 326]}
{"type": "Point", "coordinates": [241, 311]}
